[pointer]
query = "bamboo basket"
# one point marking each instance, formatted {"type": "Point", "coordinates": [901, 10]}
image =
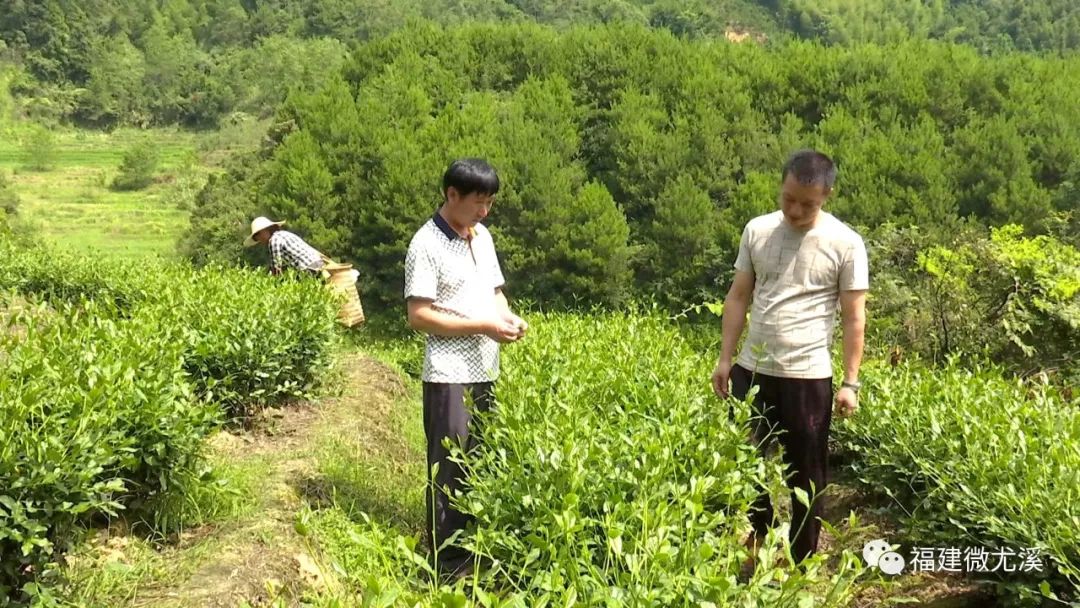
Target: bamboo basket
{"type": "Point", "coordinates": [341, 279]}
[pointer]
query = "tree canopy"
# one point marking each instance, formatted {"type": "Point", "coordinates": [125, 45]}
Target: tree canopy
{"type": "Point", "coordinates": [193, 62]}
{"type": "Point", "coordinates": [629, 153]}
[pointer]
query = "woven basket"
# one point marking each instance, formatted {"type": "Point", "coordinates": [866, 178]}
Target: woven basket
{"type": "Point", "coordinates": [341, 279]}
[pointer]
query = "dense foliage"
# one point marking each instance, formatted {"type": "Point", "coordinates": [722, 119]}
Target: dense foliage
{"type": "Point", "coordinates": [613, 481]}
{"type": "Point", "coordinates": [974, 459]}
{"type": "Point", "coordinates": [631, 159]}
{"type": "Point", "coordinates": [960, 292]}
{"type": "Point", "coordinates": [110, 385]}
{"type": "Point", "coordinates": [98, 415]}
{"type": "Point", "coordinates": [138, 167]}
{"type": "Point", "coordinates": [624, 477]}
{"type": "Point", "coordinates": [622, 480]}
{"type": "Point", "coordinates": [1046, 25]}
{"type": "Point", "coordinates": [193, 62]}
{"type": "Point", "coordinates": [250, 339]}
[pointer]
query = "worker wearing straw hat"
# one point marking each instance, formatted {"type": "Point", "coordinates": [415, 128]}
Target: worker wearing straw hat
{"type": "Point", "coordinates": [286, 248]}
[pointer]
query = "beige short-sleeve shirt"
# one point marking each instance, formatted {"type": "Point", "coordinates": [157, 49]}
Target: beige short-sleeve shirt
{"type": "Point", "coordinates": [798, 277]}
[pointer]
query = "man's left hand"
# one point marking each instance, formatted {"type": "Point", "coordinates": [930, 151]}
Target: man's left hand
{"type": "Point", "coordinates": [517, 322]}
{"type": "Point", "coordinates": [847, 402]}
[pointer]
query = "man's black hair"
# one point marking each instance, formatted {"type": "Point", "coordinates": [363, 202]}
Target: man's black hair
{"type": "Point", "coordinates": [468, 175]}
{"type": "Point", "coordinates": [810, 167]}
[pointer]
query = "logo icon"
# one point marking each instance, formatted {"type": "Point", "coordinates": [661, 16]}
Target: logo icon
{"type": "Point", "coordinates": [878, 553]}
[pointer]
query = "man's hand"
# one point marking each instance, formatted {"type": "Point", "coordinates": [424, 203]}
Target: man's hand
{"type": "Point", "coordinates": [503, 330]}
{"type": "Point", "coordinates": [505, 315]}
{"type": "Point", "coordinates": [720, 376]}
{"type": "Point", "coordinates": [847, 402]}
{"type": "Point", "coordinates": [517, 322]}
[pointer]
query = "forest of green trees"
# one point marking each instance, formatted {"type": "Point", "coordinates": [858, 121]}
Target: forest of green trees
{"type": "Point", "coordinates": [194, 62]}
{"type": "Point", "coordinates": [633, 138]}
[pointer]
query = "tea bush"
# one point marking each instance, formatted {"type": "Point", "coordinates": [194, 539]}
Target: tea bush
{"type": "Point", "coordinates": [251, 339]}
{"type": "Point", "coordinates": [111, 384]}
{"type": "Point", "coordinates": [98, 415]}
{"type": "Point", "coordinates": [55, 275]}
{"type": "Point", "coordinates": [612, 475]}
{"type": "Point", "coordinates": [609, 475]}
{"type": "Point", "coordinates": [973, 457]}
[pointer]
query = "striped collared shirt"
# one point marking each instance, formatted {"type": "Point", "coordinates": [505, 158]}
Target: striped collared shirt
{"type": "Point", "coordinates": [460, 277]}
{"type": "Point", "coordinates": [288, 249]}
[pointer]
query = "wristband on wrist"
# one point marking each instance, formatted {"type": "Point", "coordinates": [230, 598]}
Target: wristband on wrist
{"type": "Point", "coordinates": [855, 386]}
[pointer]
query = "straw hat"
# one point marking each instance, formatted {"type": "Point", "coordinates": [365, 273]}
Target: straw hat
{"type": "Point", "coordinates": [258, 224]}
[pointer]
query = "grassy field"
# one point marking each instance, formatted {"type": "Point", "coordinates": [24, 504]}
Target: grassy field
{"type": "Point", "coordinates": [71, 204]}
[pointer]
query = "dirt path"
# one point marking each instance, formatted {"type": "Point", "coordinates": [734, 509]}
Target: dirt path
{"type": "Point", "coordinates": [935, 590]}
{"type": "Point", "coordinates": [258, 558]}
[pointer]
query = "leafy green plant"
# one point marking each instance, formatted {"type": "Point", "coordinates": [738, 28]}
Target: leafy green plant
{"type": "Point", "coordinates": [977, 294]}
{"type": "Point", "coordinates": [138, 167]}
{"type": "Point", "coordinates": [58, 276]}
{"type": "Point", "coordinates": [971, 457]}
{"type": "Point", "coordinates": [251, 340]}
{"type": "Point", "coordinates": [187, 184]}
{"type": "Point", "coordinates": [39, 148]}
{"type": "Point", "coordinates": [608, 475]}
{"type": "Point", "coordinates": [621, 478]}
{"type": "Point", "coordinates": [98, 417]}
{"type": "Point", "coordinates": [113, 381]}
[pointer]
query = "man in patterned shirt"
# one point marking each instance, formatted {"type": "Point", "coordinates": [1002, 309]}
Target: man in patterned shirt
{"type": "Point", "coordinates": [796, 265]}
{"type": "Point", "coordinates": [453, 289]}
{"type": "Point", "coordinates": [286, 249]}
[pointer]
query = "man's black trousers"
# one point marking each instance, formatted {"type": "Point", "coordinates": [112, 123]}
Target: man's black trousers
{"type": "Point", "coordinates": [447, 415]}
{"type": "Point", "coordinates": [800, 412]}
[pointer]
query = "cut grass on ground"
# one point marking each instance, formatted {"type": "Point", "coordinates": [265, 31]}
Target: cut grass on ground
{"type": "Point", "coordinates": [71, 205]}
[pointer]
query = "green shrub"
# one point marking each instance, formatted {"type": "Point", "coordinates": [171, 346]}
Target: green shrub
{"type": "Point", "coordinates": [9, 206]}
{"type": "Point", "coordinates": [971, 456]}
{"type": "Point", "coordinates": [107, 399]}
{"type": "Point", "coordinates": [58, 276]}
{"type": "Point", "coordinates": [98, 416]}
{"type": "Point", "coordinates": [39, 148]}
{"type": "Point", "coordinates": [610, 473]}
{"type": "Point", "coordinates": [976, 293]}
{"type": "Point", "coordinates": [251, 340]}
{"type": "Point", "coordinates": [138, 167]}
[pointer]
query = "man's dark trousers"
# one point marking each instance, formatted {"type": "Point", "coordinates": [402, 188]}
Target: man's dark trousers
{"type": "Point", "coordinates": [447, 415]}
{"type": "Point", "coordinates": [801, 412]}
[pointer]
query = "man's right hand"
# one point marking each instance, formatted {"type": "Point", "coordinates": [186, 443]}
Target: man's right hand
{"type": "Point", "coordinates": [720, 376]}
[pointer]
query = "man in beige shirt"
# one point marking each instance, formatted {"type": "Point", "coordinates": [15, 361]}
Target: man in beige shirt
{"type": "Point", "coordinates": [795, 266]}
